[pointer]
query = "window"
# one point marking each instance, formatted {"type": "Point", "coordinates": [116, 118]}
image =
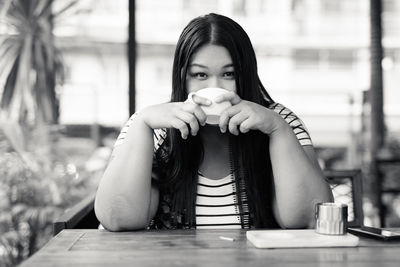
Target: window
{"type": "Point", "coordinates": [323, 59]}
{"type": "Point", "coordinates": [341, 59]}
{"type": "Point", "coordinates": [306, 58]}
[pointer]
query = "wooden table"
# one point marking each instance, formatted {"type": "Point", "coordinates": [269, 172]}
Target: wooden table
{"type": "Point", "coordinates": [74, 248]}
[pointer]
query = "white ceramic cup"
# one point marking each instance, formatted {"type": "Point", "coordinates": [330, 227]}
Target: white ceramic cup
{"type": "Point", "coordinates": [214, 110]}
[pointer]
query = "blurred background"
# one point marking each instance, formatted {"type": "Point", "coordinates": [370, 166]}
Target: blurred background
{"type": "Point", "coordinates": [72, 72]}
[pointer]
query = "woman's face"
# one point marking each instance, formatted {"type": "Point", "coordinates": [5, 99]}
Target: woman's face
{"type": "Point", "coordinates": [210, 66]}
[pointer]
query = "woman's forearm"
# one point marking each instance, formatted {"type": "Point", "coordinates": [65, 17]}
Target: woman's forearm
{"type": "Point", "coordinates": [299, 182]}
{"type": "Point", "coordinates": [124, 195]}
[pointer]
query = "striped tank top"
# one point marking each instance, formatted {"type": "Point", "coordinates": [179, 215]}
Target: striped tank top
{"type": "Point", "coordinates": [216, 204]}
{"type": "Point", "coordinates": [217, 200]}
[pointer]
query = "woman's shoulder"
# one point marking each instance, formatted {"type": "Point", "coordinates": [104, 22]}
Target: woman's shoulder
{"type": "Point", "coordinates": [297, 125]}
{"type": "Point", "coordinates": [122, 134]}
{"type": "Point", "coordinates": [159, 135]}
{"type": "Point", "coordinates": [285, 112]}
{"type": "Point", "coordinates": [279, 108]}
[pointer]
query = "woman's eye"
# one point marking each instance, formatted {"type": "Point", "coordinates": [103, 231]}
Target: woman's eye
{"type": "Point", "coordinates": [199, 75]}
{"type": "Point", "coordinates": [229, 74]}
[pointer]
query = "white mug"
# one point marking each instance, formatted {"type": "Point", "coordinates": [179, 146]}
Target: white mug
{"type": "Point", "coordinates": [214, 110]}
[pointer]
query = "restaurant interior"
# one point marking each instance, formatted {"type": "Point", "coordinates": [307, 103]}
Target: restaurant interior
{"type": "Point", "coordinates": [73, 72]}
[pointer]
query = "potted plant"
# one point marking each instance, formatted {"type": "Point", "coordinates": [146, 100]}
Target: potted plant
{"type": "Point", "coordinates": [36, 180]}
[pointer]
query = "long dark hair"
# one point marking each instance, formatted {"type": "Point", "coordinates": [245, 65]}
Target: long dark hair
{"type": "Point", "coordinates": [250, 151]}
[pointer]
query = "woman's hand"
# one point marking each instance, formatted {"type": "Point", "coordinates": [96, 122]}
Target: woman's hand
{"type": "Point", "coordinates": [244, 116]}
{"type": "Point", "coordinates": [183, 116]}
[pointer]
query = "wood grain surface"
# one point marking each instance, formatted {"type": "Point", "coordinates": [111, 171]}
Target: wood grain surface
{"type": "Point", "coordinates": [88, 247]}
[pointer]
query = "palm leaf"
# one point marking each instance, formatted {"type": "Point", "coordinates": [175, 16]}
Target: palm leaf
{"type": "Point", "coordinates": [9, 46]}
{"type": "Point", "coordinates": [28, 73]}
{"type": "Point", "coordinates": [22, 102]}
{"type": "Point", "coordinates": [44, 6]}
{"type": "Point", "coordinates": [17, 14]}
{"type": "Point", "coordinates": [67, 7]}
{"type": "Point", "coordinates": [9, 52]}
{"type": "Point", "coordinates": [28, 76]}
{"type": "Point", "coordinates": [8, 91]}
{"type": "Point", "coordinates": [4, 9]}
{"type": "Point", "coordinates": [42, 95]}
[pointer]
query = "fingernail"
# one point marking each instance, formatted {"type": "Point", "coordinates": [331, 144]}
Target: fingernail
{"type": "Point", "coordinates": [208, 102]}
{"type": "Point", "coordinates": [223, 130]}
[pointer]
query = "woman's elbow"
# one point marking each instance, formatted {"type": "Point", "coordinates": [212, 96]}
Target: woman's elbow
{"type": "Point", "coordinates": [120, 223]}
{"type": "Point", "coordinates": [294, 223]}
{"type": "Point", "coordinates": [299, 218]}
{"type": "Point", "coordinates": [117, 221]}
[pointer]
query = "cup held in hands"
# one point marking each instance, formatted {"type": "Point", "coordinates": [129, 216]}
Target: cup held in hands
{"type": "Point", "coordinates": [214, 110]}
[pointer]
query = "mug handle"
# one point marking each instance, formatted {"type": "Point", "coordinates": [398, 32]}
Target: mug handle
{"type": "Point", "coordinates": [190, 97]}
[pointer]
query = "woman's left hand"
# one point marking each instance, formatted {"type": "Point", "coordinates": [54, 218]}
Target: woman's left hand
{"type": "Point", "coordinates": [244, 116]}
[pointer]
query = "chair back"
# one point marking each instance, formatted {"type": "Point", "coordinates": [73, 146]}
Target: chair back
{"type": "Point", "coordinates": [346, 186]}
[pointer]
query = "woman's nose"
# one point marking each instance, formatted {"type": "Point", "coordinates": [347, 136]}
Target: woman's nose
{"type": "Point", "coordinates": [214, 82]}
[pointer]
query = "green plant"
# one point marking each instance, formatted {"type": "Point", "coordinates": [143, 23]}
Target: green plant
{"type": "Point", "coordinates": [37, 183]}
{"type": "Point", "coordinates": [37, 179]}
{"type": "Point", "coordinates": [30, 63]}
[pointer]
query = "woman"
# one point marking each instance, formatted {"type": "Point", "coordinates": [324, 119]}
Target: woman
{"type": "Point", "coordinates": [256, 169]}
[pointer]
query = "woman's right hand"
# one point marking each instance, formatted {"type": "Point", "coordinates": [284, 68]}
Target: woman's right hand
{"type": "Point", "coordinates": [183, 116]}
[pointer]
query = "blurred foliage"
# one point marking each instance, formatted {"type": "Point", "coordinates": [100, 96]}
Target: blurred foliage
{"type": "Point", "coordinates": [38, 179]}
{"type": "Point", "coordinates": [391, 180]}
{"type": "Point", "coordinates": [393, 146]}
{"type": "Point", "coordinates": [337, 158]}
{"type": "Point", "coordinates": [331, 157]}
{"type": "Point", "coordinates": [37, 184]}
{"type": "Point", "coordinates": [390, 170]}
{"type": "Point", "coordinates": [30, 63]}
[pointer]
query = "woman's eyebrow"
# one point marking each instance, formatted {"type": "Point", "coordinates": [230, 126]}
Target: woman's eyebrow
{"type": "Point", "coordinates": [228, 65]}
{"type": "Point", "coordinates": [205, 67]}
{"type": "Point", "coordinates": [198, 65]}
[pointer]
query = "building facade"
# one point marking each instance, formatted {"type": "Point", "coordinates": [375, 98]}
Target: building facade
{"type": "Point", "coordinates": [313, 57]}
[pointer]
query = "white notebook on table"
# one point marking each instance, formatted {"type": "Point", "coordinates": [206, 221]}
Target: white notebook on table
{"type": "Point", "coordinates": [299, 239]}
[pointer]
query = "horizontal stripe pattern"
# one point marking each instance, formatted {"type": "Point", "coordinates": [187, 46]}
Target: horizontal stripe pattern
{"type": "Point", "coordinates": [122, 134]}
{"type": "Point", "coordinates": [219, 226]}
{"type": "Point", "coordinates": [216, 212]}
{"type": "Point", "coordinates": [216, 204]}
{"type": "Point", "coordinates": [295, 123]}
